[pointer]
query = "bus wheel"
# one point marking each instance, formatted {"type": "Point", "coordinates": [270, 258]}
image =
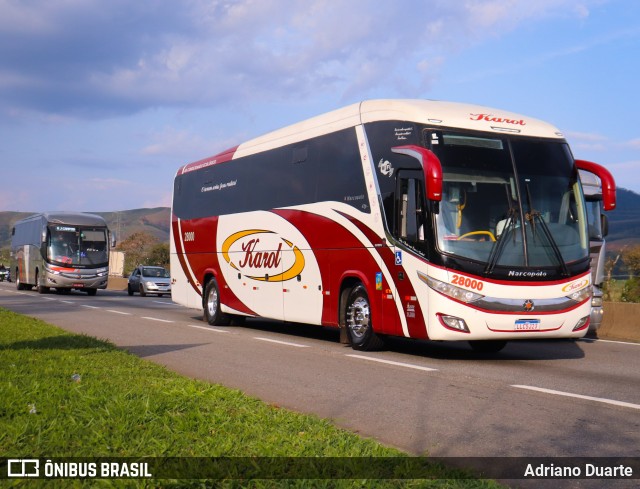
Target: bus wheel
{"type": "Point", "coordinates": [487, 346]}
{"type": "Point", "coordinates": [211, 305]}
{"type": "Point", "coordinates": [358, 320]}
{"type": "Point", "coordinates": [40, 288]}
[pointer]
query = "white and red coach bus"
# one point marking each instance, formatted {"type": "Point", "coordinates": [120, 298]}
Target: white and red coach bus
{"type": "Point", "coordinates": [409, 218]}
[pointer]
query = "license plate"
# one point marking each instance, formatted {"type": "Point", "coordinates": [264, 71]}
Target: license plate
{"type": "Point", "coordinates": [78, 286]}
{"type": "Point", "coordinates": [527, 324]}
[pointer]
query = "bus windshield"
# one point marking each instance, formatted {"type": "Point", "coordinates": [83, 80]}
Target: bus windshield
{"type": "Point", "coordinates": [77, 246]}
{"type": "Point", "coordinates": [509, 202]}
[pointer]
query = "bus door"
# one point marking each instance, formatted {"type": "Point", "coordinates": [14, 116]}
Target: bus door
{"type": "Point", "coordinates": [302, 290]}
{"type": "Point", "coordinates": [410, 233]}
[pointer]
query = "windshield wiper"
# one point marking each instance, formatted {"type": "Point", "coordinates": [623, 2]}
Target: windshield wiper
{"type": "Point", "coordinates": [498, 247]}
{"type": "Point", "coordinates": [532, 216]}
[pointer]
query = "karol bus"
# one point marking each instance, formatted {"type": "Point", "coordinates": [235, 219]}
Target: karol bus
{"type": "Point", "coordinates": [472, 226]}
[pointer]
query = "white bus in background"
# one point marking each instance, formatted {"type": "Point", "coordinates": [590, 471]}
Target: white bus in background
{"type": "Point", "coordinates": [598, 230]}
{"type": "Point", "coordinates": [60, 250]}
{"type": "Point", "coordinates": [411, 218]}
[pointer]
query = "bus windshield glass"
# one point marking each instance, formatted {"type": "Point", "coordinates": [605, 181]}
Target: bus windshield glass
{"type": "Point", "coordinates": [77, 246]}
{"type": "Point", "coordinates": [509, 202]}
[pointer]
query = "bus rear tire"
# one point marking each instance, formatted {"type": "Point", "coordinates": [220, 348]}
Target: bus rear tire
{"type": "Point", "coordinates": [487, 346]}
{"type": "Point", "coordinates": [358, 321]}
{"type": "Point", "coordinates": [211, 305]}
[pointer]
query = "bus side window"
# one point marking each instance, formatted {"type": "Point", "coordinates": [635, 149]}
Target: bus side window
{"type": "Point", "coordinates": [410, 210]}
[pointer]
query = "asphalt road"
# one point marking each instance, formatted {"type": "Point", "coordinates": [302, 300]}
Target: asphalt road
{"type": "Point", "coordinates": [535, 398]}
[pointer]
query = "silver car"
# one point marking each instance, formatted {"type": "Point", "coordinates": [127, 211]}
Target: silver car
{"type": "Point", "coordinates": [149, 280]}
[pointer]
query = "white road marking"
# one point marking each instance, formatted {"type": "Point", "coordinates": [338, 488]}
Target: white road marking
{"type": "Point", "coordinates": [287, 343]}
{"type": "Point", "coordinates": [209, 328]}
{"type": "Point", "coordinates": [157, 319]}
{"type": "Point", "coordinates": [588, 340]}
{"type": "Point", "coordinates": [119, 312]}
{"type": "Point", "coordinates": [398, 364]}
{"type": "Point", "coordinates": [90, 307]}
{"type": "Point", "coordinates": [164, 302]}
{"type": "Point", "coordinates": [579, 396]}
{"type": "Point", "coordinates": [68, 302]}
{"type": "Point", "coordinates": [49, 298]}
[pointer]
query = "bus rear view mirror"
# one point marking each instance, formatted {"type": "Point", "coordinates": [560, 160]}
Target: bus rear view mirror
{"type": "Point", "coordinates": [431, 167]}
{"type": "Point", "coordinates": [608, 182]}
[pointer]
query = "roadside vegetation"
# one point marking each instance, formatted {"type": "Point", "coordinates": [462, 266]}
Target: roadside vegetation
{"type": "Point", "coordinates": [68, 395]}
{"type": "Point", "coordinates": [625, 262]}
{"type": "Point", "coordinates": [142, 248]}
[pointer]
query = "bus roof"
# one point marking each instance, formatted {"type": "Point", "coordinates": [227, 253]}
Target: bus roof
{"type": "Point", "coordinates": [430, 112]}
{"type": "Point", "coordinates": [70, 218]}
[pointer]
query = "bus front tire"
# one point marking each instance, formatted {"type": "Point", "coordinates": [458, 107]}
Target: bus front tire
{"type": "Point", "coordinates": [40, 288]}
{"type": "Point", "coordinates": [358, 321]}
{"type": "Point", "coordinates": [211, 305]}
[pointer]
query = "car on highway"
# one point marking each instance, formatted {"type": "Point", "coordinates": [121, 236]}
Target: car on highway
{"type": "Point", "coordinates": [149, 280]}
{"type": "Point", "coordinates": [5, 274]}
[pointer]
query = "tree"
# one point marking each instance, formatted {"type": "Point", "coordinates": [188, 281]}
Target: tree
{"type": "Point", "coordinates": [158, 255]}
{"type": "Point", "coordinates": [136, 250]}
{"type": "Point", "coordinates": [609, 267]}
{"type": "Point", "coordinates": [631, 290]}
{"type": "Point", "coordinates": [631, 258]}
{"type": "Point", "coordinates": [5, 256]}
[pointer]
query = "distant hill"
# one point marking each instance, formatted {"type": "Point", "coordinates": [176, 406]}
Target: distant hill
{"type": "Point", "coordinates": [624, 222]}
{"type": "Point", "coordinates": [154, 221]}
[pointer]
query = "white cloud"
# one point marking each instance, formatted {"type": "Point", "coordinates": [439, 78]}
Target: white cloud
{"type": "Point", "coordinates": [634, 143]}
{"type": "Point", "coordinates": [170, 141]}
{"type": "Point", "coordinates": [219, 52]}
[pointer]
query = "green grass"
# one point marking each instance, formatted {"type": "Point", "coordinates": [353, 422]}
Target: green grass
{"type": "Point", "coordinates": [68, 395]}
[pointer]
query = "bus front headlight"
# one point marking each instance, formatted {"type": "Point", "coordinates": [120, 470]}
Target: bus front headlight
{"type": "Point", "coordinates": [582, 294]}
{"type": "Point", "coordinates": [449, 290]}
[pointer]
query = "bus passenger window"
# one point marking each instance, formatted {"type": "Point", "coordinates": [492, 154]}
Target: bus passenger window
{"type": "Point", "coordinates": [411, 218]}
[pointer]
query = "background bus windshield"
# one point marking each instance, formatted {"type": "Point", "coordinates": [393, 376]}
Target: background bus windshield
{"type": "Point", "coordinates": [510, 202]}
{"type": "Point", "coordinates": [78, 247]}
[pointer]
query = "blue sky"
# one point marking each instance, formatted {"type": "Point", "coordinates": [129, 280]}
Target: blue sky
{"type": "Point", "coordinates": [101, 102]}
